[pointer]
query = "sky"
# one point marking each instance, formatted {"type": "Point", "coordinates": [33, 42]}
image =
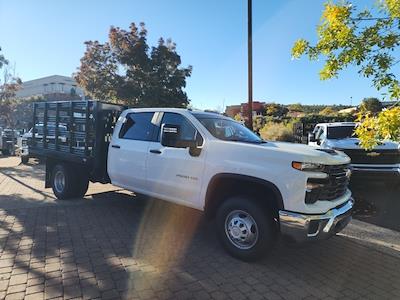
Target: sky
{"type": "Point", "coordinates": [45, 37]}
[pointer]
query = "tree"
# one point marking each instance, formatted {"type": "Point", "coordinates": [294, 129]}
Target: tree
{"type": "Point", "coordinates": [8, 86]}
{"type": "Point", "coordinates": [372, 105]}
{"type": "Point", "coordinates": [277, 132]}
{"type": "Point", "coordinates": [238, 118]}
{"type": "Point", "coordinates": [125, 70]}
{"type": "Point", "coordinates": [275, 110]}
{"type": "Point", "coordinates": [367, 40]}
{"type": "Point", "coordinates": [328, 111]}
{"type": "Point", "coordinates": [3, 60]}
{"type": "Point", "coordinates": [295, 107]}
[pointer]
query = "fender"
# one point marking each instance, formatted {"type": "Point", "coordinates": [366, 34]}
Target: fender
{"type": "Point", "coordinates": [213, 185]}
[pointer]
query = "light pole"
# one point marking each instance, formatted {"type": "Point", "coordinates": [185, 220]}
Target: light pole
{"type": "Point", "coordinates": [250, 65]}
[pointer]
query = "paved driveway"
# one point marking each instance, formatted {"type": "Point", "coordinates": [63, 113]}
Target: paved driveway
{"type": "Point", "coordinates": [113, 244]}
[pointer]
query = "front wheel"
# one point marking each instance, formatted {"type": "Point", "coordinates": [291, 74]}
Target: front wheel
{"type": "Point", "coordinates": [245, 229]}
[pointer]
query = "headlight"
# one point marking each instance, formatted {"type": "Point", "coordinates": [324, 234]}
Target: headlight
{"type": "Point", "coordinates": [304, 166]}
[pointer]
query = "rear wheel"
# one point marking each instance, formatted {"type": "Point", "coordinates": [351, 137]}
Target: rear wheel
{"type": "Point", "coordinates": [67, 184]}
{"type": "Point", "coordinates": [245, 229]}
{"type": "Point", "coordinates": [24, 159]}
{"type": "Point", "coordinates": [82, 186]}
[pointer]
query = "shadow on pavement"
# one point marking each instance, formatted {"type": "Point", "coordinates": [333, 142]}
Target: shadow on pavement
{"type": "Point", "coordinates": [377, 203]}
{"type": "Point", "coordinates": [125, 246]}
{"type": "Point", "coordinates": [120, 245]}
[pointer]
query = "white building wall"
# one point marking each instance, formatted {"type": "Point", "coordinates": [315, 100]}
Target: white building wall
{"type": "Point", "coordinates": [48, 85]}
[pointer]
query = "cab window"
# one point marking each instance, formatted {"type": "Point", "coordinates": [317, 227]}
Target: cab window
{"type": "Point", "coordinates": [138, 126]}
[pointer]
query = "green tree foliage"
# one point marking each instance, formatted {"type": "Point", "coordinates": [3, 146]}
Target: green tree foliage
{"type": "Point", "coordinates": [275, 110]}
{"type": "Point", "coordinates": [8, 86]}
{"type": "Point", "coordinates": [372, 105]}
{"type": "Point", "coordinates": [277, 132]}
{"type": "Point", "coordinates": [328, 111]}
{"type": "Point", "coordinates": [3, 60]}
{"type": "Point", "coordinates": [384, 126]}
{"type": "Point", "coordinates": [126, 70]}
{"type": "Point", "coordinates": [295, 107]}
{"type": "Point", "coordinates": [365, 39]}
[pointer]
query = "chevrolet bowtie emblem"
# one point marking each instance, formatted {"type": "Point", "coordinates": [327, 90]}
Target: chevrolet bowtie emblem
{"type": "Point", "coordinates": [373, 154]}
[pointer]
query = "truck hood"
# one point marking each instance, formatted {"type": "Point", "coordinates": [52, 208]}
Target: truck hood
{"type": "Point", "coordinates": [353, 143]}
{"type": "Point", "coordinates": [305, 153]}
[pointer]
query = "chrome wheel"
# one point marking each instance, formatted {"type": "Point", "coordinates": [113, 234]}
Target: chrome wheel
{"type": "Point", "coordinates": [241, 229]}
{"type": "Point", "coordinates": [59, 181]}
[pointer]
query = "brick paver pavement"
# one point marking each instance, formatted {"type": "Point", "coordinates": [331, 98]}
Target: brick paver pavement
{"type": "Point", "coordinates": [113, 244]}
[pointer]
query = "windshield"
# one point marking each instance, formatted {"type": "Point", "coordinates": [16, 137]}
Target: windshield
{"type": "Point", "coordinates": [340, 132]}
{"type": "Point", "coordinates": [229, 130]}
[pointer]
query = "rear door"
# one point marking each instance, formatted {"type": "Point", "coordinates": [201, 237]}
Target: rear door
{"type": "Point", "coordinates": [128, 151]}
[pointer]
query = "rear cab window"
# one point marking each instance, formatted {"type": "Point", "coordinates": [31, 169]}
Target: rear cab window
{"type": "Point", "coordinates": [139, 126]}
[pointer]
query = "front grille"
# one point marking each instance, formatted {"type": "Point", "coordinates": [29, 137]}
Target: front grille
{"type": "Point", "coordinates": [332, 187]}
{"type": "Point", "coordinates": [381, 156]}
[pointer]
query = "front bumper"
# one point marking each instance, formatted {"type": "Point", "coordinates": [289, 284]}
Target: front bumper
{"type": "Point", "coordinates": [375, 170]}
{"type": "Point", "coordinates": [303, 227]}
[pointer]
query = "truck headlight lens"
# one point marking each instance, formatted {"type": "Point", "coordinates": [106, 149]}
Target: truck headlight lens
{"type": "Point", "coordinates": [304, 166]}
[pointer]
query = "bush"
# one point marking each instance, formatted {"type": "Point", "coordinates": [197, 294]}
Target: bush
{"type": "Point", "coordinates": [277, 132]}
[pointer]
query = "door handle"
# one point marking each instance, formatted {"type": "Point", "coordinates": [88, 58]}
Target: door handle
{"type": "Point", "coordinates": [155, 151]}
{"type": "Point", "coordinates": [116, 146]}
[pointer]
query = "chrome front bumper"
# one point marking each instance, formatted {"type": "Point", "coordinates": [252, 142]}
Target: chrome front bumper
{"type": "Point", "coordinates": [303, 227]}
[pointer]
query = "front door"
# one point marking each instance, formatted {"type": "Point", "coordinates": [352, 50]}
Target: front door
{"type": "Point", "coordinates": [173, 173]}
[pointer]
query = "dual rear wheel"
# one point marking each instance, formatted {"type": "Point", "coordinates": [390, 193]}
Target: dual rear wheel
{"type": "Point", "coordinates": [68, 182]}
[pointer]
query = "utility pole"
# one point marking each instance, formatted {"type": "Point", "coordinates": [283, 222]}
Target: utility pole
{"type": "Point", "coordinates": [250, 64]}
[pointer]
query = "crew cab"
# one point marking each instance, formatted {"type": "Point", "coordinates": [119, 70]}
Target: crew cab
{"type": "Point", "coordinates": [256, 190]}
{"type": "Point", "coordinates": [383, 160]}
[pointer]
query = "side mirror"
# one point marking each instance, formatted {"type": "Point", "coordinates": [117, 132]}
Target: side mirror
{"type": "Point", "coordinates": [311, 137]}
{"type": "Point", "coordinates": [171, 137]}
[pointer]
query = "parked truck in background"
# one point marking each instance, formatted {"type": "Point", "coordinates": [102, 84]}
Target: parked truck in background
{"type": "Point", "coordinates": [7, 141]}
{"type": "Point", "coordinates": [256, 190]}
{"type": "Point", "coordinates": [382, 162]}
{"type": "Point", "coordinates": [25, 139]}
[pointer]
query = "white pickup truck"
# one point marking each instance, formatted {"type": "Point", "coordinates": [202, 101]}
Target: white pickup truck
{"type": "Point", "coordinates": [382, 162]}
{"type": "Point", "coordinates": [257, 190]}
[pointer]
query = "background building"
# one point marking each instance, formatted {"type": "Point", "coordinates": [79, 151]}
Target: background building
{"type": "Point", "coordinates": [233, 110]}
{"type": "Point", "coordinates": [56, 86]}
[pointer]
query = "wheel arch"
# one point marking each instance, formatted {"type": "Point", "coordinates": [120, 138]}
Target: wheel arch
{"type": "Point", "coordinates": [223, 185]}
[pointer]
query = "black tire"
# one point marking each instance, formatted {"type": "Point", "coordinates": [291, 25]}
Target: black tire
{"type": "Point", "coordinates": [6, 152]}
{"type": "Point", "coordinates": [68, 188]}
{"type": "Point", "coordinates": [24, 159]}
{"type": "Point", "coordinates": [82, 186]}
{"type": "Point", "coordinates": [243, 207]}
